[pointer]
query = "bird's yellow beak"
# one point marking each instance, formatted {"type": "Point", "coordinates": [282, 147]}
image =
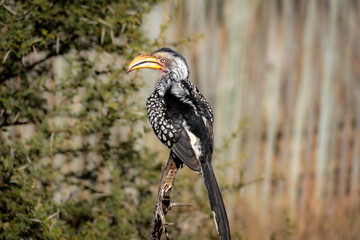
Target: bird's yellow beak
{"type": "Point", "coordinates": [144, 61]}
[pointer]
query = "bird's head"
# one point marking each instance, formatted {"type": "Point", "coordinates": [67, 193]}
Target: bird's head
{"type": "Point", "coordinates": [170, 62]}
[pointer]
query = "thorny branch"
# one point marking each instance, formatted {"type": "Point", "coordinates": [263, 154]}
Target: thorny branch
{"type": "Point", "coordinates": [163, 204]}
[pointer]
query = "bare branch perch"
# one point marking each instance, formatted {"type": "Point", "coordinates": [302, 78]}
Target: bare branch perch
{"type": "Point", "coordinates": [163, 204]}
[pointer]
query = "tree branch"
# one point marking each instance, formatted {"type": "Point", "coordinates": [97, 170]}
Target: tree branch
{"type": "Point", "coordinates": [163, 204]}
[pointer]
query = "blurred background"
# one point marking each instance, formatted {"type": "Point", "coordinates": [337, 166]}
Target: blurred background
{"type": "Point", "coordinates": [283, 79]}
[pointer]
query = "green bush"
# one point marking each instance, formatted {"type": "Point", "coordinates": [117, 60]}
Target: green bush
{"type": "Point", "coordinates": [76, 35]}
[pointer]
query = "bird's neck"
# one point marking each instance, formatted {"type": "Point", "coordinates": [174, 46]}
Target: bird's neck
{"type": "Point", "coordinates": [165, 83]}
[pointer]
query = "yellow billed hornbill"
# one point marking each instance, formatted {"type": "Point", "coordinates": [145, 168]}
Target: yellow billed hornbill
{"type": "Point", "coordinates": [182, 119]}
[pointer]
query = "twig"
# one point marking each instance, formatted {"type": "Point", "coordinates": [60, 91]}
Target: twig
{"type": "Point", "coordinates": [8, 8]}
{"type": "Point", "coordinates": [163, 204]}
{"type": "Point", "coordinates": [57, 44]}
{"type": "Point", "coordinates": [102, 35]}
{"type": "Point", "coordinates": [6, 56]}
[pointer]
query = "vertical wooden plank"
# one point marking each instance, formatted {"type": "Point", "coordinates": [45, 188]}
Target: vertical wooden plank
{"type": "Point", "coordinates": [345, 99]}
{"type": "Point", "coordinates": [302, 101]}
{"type": "Point", "coordinates": [326, 102]}
{"type": "Point", "coordinates": [291, 21]}
{"type": "Point", "coordinates": [271, 100]}
{"type": "Point", "coordinates": [353, 19]}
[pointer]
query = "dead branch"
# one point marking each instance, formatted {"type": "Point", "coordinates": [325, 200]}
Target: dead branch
{"type": "Point", "coordinates": [163, 204]}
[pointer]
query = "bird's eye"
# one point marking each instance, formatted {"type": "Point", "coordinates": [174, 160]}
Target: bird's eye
{"type": "Point", "coordinates": [163, 60]}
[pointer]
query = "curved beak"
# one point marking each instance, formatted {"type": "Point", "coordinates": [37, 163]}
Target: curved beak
{"type": "Point", "coordinates": [144, 61]}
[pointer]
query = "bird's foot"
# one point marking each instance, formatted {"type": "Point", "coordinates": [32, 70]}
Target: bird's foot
{"type": "Point", "coordinates": [160, 213]}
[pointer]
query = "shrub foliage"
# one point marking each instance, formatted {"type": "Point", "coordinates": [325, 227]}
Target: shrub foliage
{"type": "Point", "coordinates": [87, 99]}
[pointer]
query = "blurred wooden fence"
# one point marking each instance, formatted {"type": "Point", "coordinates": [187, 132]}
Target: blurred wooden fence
{"type": "Point", "coordinates": [292, 67]}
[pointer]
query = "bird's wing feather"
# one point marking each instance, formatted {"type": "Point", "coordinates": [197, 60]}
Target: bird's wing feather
{"type": "Point", "coordinates": [195, 110]}
{"type": "Point", "coordinates": [183, 150]}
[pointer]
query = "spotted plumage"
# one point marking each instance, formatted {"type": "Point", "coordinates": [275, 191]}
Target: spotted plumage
{"type": "Point", "coordinates": [161, 123]}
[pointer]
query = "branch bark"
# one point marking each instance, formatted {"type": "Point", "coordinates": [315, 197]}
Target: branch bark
{"type": "Point", "coordinates": [163, 204]}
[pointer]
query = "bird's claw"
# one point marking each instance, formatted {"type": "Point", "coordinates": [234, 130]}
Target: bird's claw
{"type": "Point", "coordinates": [160, 213]}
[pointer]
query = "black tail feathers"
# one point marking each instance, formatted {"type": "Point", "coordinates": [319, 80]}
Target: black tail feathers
{"type": "Point", "coordinates": [216, 201]}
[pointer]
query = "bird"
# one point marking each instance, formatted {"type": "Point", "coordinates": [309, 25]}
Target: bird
{"type": "Point", "coordinates": [182, 119]}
